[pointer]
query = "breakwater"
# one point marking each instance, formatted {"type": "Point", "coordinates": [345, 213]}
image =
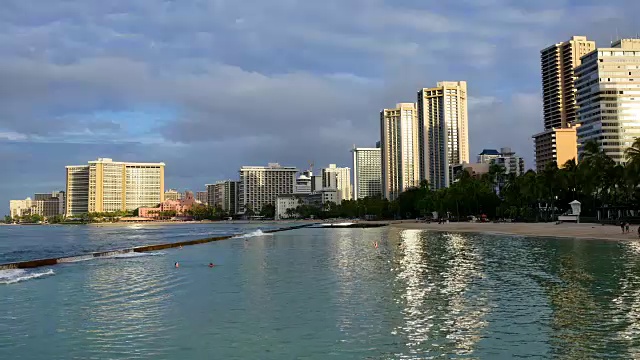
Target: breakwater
{"type": "Point", "coordinates": [29, 264]}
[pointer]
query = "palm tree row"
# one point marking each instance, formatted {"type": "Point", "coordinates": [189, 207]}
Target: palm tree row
{"type": "Point", "coordinates": [596, 181]}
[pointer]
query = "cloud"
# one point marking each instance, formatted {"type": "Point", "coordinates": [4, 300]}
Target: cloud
{"type": "Point", "coordinates": [208, 86]}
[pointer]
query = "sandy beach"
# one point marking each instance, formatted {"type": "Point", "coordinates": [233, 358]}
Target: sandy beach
{"type": "Point", "coordinates": [565, 230]}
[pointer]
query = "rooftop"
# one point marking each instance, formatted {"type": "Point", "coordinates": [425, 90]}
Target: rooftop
{"type": "Point", "coordinates": [489, 152]}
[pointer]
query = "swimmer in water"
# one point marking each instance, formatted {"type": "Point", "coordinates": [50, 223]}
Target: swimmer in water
{"type": "Point", "coordinates": [375, 244]}
{"type": "Point", "coordinates": [177, 265]}
{"type": "Point", "coordinates": [211, 265]}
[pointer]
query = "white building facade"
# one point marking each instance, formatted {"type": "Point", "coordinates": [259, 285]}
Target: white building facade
{"type": "Point", "coordinates": [261, 185]}
{"type": "Point", "coordinates": [609, 98]}
{"type": "Point", "coordinates": [334, 177]}
{"type": "Point", "coordinates": [367, 172]}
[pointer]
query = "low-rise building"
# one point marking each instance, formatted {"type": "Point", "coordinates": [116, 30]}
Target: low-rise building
{"type": "Point", "coordinates": [201, 197]}
{"type": "Point", "coordinates": [475, 170]}
{"type": "Point", "coordinates": [556, 144]}
{"type": "Point", "coordinates": [172, 194]}
{"type": "Point", "coordinates": [181, 207]}
{"type": "Point", "coordinates": [44, 204]}
{"type": "Point", "coordinates": [287, 204]}
{"type": "Point", "coordinates": [512, 163]}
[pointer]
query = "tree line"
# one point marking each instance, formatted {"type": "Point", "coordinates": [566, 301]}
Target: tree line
{"type": "Point", "coordinates": [597, 181]}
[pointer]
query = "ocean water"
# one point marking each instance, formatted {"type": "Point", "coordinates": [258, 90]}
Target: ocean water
{"type": "Point", "coordinates": [331, 294]}
{"type": "Point", "coordinates": [19, 243]}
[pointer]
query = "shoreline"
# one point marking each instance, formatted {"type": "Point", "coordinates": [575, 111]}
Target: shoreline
{"type": "Point", "coordinates": [585, 231]}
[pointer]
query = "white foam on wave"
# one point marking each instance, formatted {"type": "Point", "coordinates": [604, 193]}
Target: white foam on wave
{"type": "Point", "coordinates": [126, 255]}
{"type": "Point", "coordinates": [74, 259]}
{"type": "Point", "coordinates": [13, 276]}
{"type": "Point", "coordinates": [252, 234]}
{"type": "Point", "coordinates": [132, 254]}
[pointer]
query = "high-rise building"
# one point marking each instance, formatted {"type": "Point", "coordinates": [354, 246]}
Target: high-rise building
{"type": "Point", "coordinates": [557, 144]}
{"type": "Point", "coordinates": [261, 185]}
{"type": "Point", "coordinates": [316, 182]}
{"type": "Point", "coordinates": [201, 196]}
{"type": "Point", "coordinates": [558, 63]}
{"type": "Point", "coordinates": [609, 98]}
{"type": "Point", "coordinates": [444, 124]}
{"type": "Point", "coordinates": [108, 186]}
{"type": "Point", "coordinates": [367, 173]}
{"type": "Point", "coordinates": [77, 190]}
{"type": "Point", "coordinates": [338, 178]}
{"type": "Point", "coordinates": [399, 149]}
{"type": "Point", "coordinates": [223, 195]}
{"type": "Point", "coordinates": [172, 194]}
{"type": "Point", "coordinates": [53, 203]}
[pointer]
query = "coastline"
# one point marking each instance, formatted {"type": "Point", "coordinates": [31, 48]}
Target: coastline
{"type": "Point", "coordinates": [584, 231]}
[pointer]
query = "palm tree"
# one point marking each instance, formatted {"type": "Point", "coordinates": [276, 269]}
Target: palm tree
{"type": "Point", "coordinates": [632, 155]}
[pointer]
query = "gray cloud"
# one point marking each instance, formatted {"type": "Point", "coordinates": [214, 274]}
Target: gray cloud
{"type": "Point", "coordinates": [252, 82]}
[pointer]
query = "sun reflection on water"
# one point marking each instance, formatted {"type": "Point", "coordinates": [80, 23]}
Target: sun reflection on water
{"type": "Point", "coordinates": [443, 308]}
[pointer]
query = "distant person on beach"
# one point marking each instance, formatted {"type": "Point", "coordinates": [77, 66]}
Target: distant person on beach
{"type": "Point", "coordinates": [626, 226]}
{"type": "Point", "coordinates": [639, 232]}
{"type": "Point", "coordinates": [622, 226]}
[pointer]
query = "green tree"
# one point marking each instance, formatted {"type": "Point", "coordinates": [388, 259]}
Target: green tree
{"type": "Point", "coordinates": [268, 211]}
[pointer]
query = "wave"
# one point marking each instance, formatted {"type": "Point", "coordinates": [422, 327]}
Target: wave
{"type": "Point", "coordinates": [252, 234]}
{"type": "Point", "coordinates": [13, 276]}
{"type": "Point", "coordinates": [111, 255]}
{"type": "Point", "coordinates": [132, 254]}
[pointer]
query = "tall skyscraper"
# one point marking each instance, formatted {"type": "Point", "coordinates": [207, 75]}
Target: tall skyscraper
{"type": "Point", "coordinates": [261, 185]}
{"type": "Point", "coordinates": [338, 178]}
{"type": "Point", "coordinates": [400, 149]}
{"type": "Point", "coordinates": [223, 195]}
{"type": "Point", "coordinates": [444, 138]}
{"type": "Point", "coordinates": [367, 173]}
{"type": "Point", "coordinates": [609, 98]}
{"type": "Point", "coordinates": [108, 186]}
{"type": "Point", "coordinates": [77, 190]}
{"type": "Point", "coordinates": [558, 63]}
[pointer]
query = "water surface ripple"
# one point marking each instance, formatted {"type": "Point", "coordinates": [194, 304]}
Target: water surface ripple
{"type": "Point", "coordinates": [328, 293]}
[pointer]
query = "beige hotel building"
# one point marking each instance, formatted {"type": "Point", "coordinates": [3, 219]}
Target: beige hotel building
{"type": "Point", "coordinates": [399, 149]}
{"type": "Point", "coordinates": [558, 63]}
{"type": "Point", "coordinates": [443, 131]}
{"type": "Point", "coordinates": [108, 186]}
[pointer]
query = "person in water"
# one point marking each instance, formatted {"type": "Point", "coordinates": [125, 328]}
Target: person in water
{"type": "Point", "coordinates": [211, 265]}
{"type": "Point", "coordinates": [177, 265]}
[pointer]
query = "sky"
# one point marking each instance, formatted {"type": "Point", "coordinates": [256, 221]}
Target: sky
{"type": "Point", "coordinates": [207, 86]}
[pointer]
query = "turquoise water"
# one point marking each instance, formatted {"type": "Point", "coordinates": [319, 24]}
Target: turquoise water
{"type": "Point", "coordinates": [329, 293]}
